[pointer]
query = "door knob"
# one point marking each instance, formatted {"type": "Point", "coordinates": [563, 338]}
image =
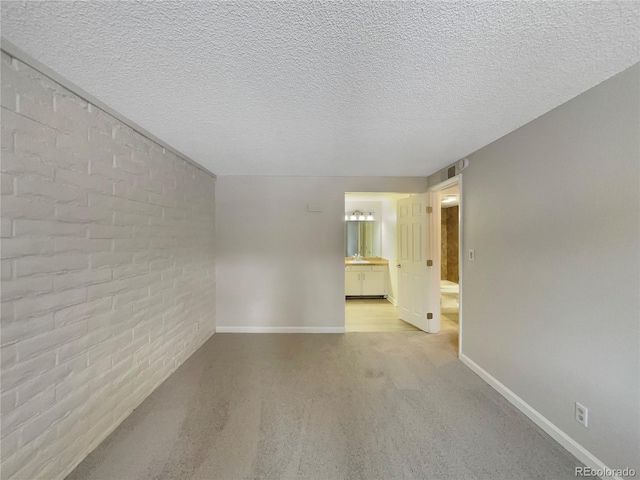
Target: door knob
{"type": "Point", "coordinates": [399, 265]}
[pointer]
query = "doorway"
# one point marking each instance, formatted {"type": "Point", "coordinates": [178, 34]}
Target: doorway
{"type": "Point", "coordinates": [371, 278]}
{"type": "Point", "coordinates": [450, 257]}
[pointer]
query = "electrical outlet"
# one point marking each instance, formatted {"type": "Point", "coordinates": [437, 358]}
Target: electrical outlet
{"type": "Point", "coordinates": [582, 414]}
{"type": "Point", "coordinates": [472, 255]}
{"type": "Point", "coordinates": [197, 326]}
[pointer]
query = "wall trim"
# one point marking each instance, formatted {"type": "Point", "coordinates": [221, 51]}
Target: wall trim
{"type": "Point", "coordinates": [536, 417]}
{"type": "Point", "coordinates": [392, 300]}
{"type": "Point", "coordinates": [223, 329]}
{"type": "Point", "coordinates": [16, 52]}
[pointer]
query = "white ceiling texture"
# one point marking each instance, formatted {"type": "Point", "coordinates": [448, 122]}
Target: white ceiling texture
{"type": "Point", "coordinates": [329, 88]}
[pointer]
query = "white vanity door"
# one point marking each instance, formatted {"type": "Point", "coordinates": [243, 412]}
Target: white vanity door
{"type": "Point", "coordinates": [352, 282]}
{"type": "Point", "coordinates": [373, 283]}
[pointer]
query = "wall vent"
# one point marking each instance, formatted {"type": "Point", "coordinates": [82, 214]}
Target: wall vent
{"type": "Point", "coordinates": [447, 173]}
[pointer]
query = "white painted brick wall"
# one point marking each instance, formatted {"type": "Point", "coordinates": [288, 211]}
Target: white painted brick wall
{"type": "Point", "coordinates": [107, 272]}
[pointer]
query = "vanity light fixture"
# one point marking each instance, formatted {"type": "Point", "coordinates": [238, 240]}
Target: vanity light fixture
{"type": "Point", "coordinates": [449, 199]}
{"type": "Point", "coordinates": [358, 216]}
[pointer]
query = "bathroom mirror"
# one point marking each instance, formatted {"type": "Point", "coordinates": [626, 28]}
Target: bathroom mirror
{"type": "Point", "coordinates": [363, 238]}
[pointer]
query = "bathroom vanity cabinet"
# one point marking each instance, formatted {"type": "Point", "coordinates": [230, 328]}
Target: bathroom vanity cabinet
{"type": "Point", "coordinates": [365, 280]}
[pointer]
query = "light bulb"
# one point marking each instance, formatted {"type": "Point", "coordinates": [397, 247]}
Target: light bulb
{"type": "Point", "coordinates": [370, 216]}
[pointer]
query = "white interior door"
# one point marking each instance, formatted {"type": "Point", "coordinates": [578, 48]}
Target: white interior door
{"type": "Point", "coordinates": [417, 262]}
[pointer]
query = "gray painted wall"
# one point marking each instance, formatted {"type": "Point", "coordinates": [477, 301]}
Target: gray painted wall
{"type": "Point", "coordinates": [279, 265]}
{"type": "Point", "coordinates": [108, 272]}
{"type": "Point", "coordinates": [551, 304]}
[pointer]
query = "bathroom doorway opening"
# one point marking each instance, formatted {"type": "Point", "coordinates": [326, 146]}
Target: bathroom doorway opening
{"type": "Point", "coordinates": [371, 277]}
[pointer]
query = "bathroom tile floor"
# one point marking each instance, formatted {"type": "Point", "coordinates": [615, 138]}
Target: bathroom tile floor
{"type": "Point", "coordinates": [373, 315]}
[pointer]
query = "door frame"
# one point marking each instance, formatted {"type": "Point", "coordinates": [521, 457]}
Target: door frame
{"type": "Point", "coordinates": [392, 261]}
{"type": "Point", "coordinates": [457, 179]}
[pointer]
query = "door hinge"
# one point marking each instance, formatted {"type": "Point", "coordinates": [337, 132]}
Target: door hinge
{"type": "Point", "coordinates": [429, 209]}
{"type": "Point", "coordinates": [429, 263]}
{"type": "Point", "coordinates": [429, 316]}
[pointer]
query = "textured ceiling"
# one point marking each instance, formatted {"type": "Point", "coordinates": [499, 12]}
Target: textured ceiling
{"type": "Point", "coordinates": [324, 88]}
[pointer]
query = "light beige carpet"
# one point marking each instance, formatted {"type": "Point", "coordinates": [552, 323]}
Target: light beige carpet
{"type": "Point", "coordinates": [356, 406]}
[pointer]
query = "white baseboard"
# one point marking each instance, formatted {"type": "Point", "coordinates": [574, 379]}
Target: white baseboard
{"type": "Point", "coordinates": [392, 300]}
{"type": "Point", "coordinates": [223, 329]}
{"type": "Point", "coordinates": [554, 432]}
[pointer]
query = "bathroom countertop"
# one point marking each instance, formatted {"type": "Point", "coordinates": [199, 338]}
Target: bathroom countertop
{"type": "Point", "coordinates": [371, 260]}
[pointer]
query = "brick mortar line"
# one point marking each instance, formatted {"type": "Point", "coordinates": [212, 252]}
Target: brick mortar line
{"type": "Point", "coordinates": [30, 119]}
